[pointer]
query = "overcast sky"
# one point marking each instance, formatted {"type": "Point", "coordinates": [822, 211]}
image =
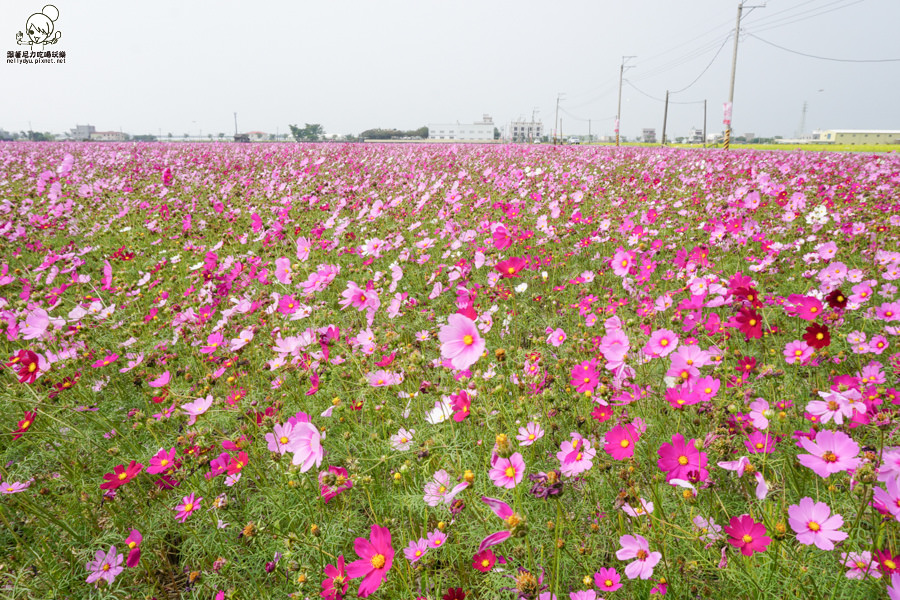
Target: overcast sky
{"type": "Point", "coordinates": [186, 66]}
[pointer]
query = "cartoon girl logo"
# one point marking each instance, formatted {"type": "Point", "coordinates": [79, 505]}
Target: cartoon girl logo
{"type": "Point", "coordinates": [39, 29]}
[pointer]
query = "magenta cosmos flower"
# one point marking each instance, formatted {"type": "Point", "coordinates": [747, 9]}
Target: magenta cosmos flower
{"type": "Point", "coordinates": [831, 452]}
{"type": "Point", "coordinates": [636, 546]}
{"type": "Point", "coordinates": [679, 459]}
{"type": "Point", "coordinates": [133, 543]}
{"type": "Point", "coordinates": [188, 505]}
{"type": "Point", "coordinates": [814, 524]}
{"type": "Point", "coordinates": [335, 584]}
{"type": "Point", "coordinates": [620, 441]}
{"type": "Point", "coordinates": [747, 535]}
{"type": "Point", "coordinates": [607, 579]}
{"type": "Point", "coordinates": [106, 565]}
{"type": "Point", "coordinates": [460, 341]}
{"type": "Point", "coordinates": [375, 558]}
{"type": "Point", "coordinates": [508, 472]}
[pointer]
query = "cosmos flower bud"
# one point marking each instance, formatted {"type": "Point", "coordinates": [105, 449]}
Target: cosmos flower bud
{"type": "Point", "coordinates": [504, 448]}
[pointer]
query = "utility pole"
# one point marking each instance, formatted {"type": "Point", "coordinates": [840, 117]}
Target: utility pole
{"type": "Point", "coordinates": [665, 118]}
{"type": "Point", "coordinates": [619, 109]}
{"type": "Point", "coordinates": [737, 35]}
{"type": "Point", "coordinates": [704, 123]}
{"type": "Point", "coordinates": [590, 137]}
{"type": "Point", "coordinates": [235, 124]}
{"type": "Point", "coordinates": [556, 118]}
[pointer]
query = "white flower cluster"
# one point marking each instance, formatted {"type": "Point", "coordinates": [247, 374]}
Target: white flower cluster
{"type": "Point", "coordinates": [817, 215]}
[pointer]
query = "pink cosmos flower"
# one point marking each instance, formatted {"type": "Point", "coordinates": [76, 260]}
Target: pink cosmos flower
{"type": "Point", "coordinates": [607, 579]}
{"type": "Point", "coordinates": [213, 341]}
{"type": "Point", "coordinates": [360, 299]}
{"type": "Point", "coordinates": [375, 559]}
{"type": "Point", "coordinates": [14, 487]}
{"type": "Point", "coordinates": [382, 378]}
{"type": "Point", "coordinates": [814, 524]}
{"type": "Point", "coordinates": [621, 262]}
{"type": "Point", "coordinates": [281, 438]}
{"type": "Point", "coordinates": [575, 456]}
{"type": "Point", "coordinates": [416, 550]}
{"type": "Point", "coordinates": [636, 546]}
{"type": "Point", "coordinates": [831, 452]}
{"type": "Point", "coordinates": [439, 491]}
{"type": "Point", "coordinates": [243, 338]}
{"type": "Point", "coordinates": [662, 342]}
{"type": "Point", "coordinates": [107, 360]}
{"type": "Point", "coordinates": [887, 499]}
{"type": "Point", "coordinates": [508, 472]}
{"type": "Point", "coordinates": [682, 460]}
{"type": "Point", "coordinates": [529, 434]}
{"type": "Point", "coordinates": [188, 505]}
{"type": "Point", "coordinates": [797, 351]}
{"type": "Point", "coordinates": [106, 566]}
{"type": "Point", "coordinates": [461, 342]}
{"type": "Point", "coordinates": [436, 538]}
{"type": "Point", "coordinates": [307, 446]}
{"type": "Point", "coordinates": [403, 439]}
{"type": "Point", "coordinates": [161, 381]}
{"type": "Point", "coordinates": [805, 307]}
{"type": "Point", "coordinates": [861, 565]}
{"type": "Point", "coordinates": [196, 408]}
{"type": "Point", "coordinates": [835, 405]}
{"type": "Point", "coordinates": [556, 337]}
{"type": "Point", "coordinates": [747, 535]}
{"type": "Point", "coordinates": [283, 270]}
{"type": "Point", "coordinates": [620, 441]}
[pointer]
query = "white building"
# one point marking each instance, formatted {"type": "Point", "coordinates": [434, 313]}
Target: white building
{"type": "Point", "coordinates": [695, 137]}
{"type": "Point", "coordinates": [525, 131]}
{"type": "Point", "coordinates": [82, 132]}
{"type": "Point", "coordinates": [107, 136]}
{"type": "Point", "coordinates": [463, 132]}
{"type": "Point", "coordinates": [648, 135]}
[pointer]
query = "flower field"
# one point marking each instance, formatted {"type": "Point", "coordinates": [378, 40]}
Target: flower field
{"type": "Point", "coordinates": [446, 372]}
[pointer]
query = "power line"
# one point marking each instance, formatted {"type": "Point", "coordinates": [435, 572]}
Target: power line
{"type": "Point", "coordinates": [850, 60]}
{"type": "Point", "coordinates": [659, 99]}
{"type": "Point", "coordinates": [705, 68]}
{"type": "Point", "coordinates": [773, 25]}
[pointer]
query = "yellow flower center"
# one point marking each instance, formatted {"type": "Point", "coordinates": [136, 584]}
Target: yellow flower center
{"type": "Point", "coordinates": [378, 561]}
{"type": "Point", "coordinates": [747, 538]}
{"type": "Point", "coordinates": [813, 526]}
{"type": "Point", "coordinates": [188, 507]}
{"type": "Point", "coordinates": [664, 342]}
{"type": "Point", "coordinates": [530, 436]}
{"type": "Point", "coordinates": [510, 472]}
{"type": "Point", "coordinates": [283, 439]}
{"type": "Point", "coordinates": [122, 476]}
{"type": "Point", "coordinates": [164, 462]}
{"type": "Point", "coordinates": [752, 322]}
{"type": "Point", "coordinates": [889, 564]}
{"type": "Point", "coordinates": [468, 340]}
{"type": "Point", "coordinates": [485, 563]}
{"type": "Point", "coordinates": [642, 555]}
{"type": "Point", "coordinates": [682, 460]}
{"type": "Point", "coordinates": [624, 443]}
{"type": "Point", "coordinates": [106, 567]}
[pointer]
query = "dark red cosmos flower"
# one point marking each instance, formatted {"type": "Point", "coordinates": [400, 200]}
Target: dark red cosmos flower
{"type": "Point", "coordinates": [817, 336]}
{"type": "Point", "coordinates": [749, 322]}
{"type": "Point", "coordinates": [24, 424]}
{"type": "Point", "coordinates": [510, 267]}
{"type": "Point", "coordinates": [27, 363]}
{"type": "Point", "coordinates": [454, 594]}
{"type": "Point", "coordinates": [121, 475]}
{"type": "Point", "coordinates": [748, 294]}
{"type": "Point", "coordinates": [836, 300]}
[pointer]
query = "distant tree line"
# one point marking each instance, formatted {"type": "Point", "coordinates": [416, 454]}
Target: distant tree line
{"type": "Point", "coordinates": [393, 134]}
{"type": "Point", "coordinates": [311, 132]}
